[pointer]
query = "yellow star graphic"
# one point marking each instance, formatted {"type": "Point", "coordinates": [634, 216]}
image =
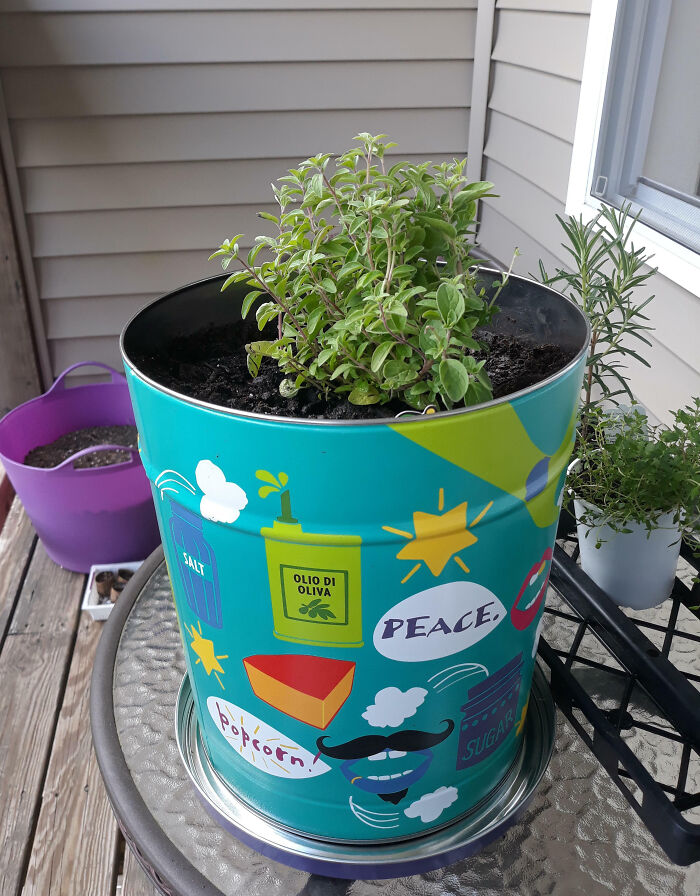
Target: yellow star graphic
{"type": "Point", "coordinates": [203, 648]}
{"type": "Point", "coordinates": [439, 536]}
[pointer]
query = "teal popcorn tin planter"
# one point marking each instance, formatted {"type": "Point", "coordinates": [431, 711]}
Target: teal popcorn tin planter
{"type": "Point", "coordinates": [359, 601]}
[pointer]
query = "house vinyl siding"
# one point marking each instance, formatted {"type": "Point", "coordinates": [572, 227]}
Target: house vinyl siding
{"type": "Point", "coordinates": [137, 134]}
{"type": "Point", "coordinates": [536, 68]}
{"type": "Point", "coordinates": [181, 37]}
{"type": "Point", "coordinates": [542, 159]}
{"type": "Point", "coordinates": [202, 88]}
{"type": "Point", "coordinates": [180, 138]}
{"type": "Point", "coordinates": [517, 92]}
{"type": "Point", "coordinates": [142, 134]}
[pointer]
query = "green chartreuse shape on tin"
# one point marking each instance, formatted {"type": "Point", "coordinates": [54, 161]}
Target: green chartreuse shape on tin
{"type": "Point", "coordinates": [315, 578]}
{"type": "Point", "coordinates": [496, 447]}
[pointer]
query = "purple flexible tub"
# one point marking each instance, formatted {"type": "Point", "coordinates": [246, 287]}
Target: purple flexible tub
{"type": "Point", "coordinates": [86, 516]}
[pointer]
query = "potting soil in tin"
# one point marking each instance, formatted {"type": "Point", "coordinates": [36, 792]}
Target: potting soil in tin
{"type": "Point", "coordinates": [211, 365]}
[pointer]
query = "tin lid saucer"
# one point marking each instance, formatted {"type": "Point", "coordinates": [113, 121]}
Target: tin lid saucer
{"type": "Point", "coordinates": [464, 837]}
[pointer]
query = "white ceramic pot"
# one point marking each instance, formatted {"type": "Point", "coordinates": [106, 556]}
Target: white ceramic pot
{"type": "Point", "coordinates": [636, 569]}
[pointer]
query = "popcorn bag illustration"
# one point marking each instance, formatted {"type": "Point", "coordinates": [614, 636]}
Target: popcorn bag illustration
{"type": "Point", "coordinates": [315, 579]}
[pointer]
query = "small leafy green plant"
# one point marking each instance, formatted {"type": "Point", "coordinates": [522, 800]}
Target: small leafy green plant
{"type": "Point", "coordinates": [371, 281]}
{"type": "Point", "coordinates": [607, 272]}
{"type": "Point", "coordinates": [632, 472]}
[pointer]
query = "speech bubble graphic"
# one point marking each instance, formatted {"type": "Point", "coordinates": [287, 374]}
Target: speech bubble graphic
{"type": "Point", "coordinates": [438, 622]}
{"type": "Point", "coordinates": [261, 745]}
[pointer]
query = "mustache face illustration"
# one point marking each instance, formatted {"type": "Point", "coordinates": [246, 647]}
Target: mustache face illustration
{"type": "Point", "coordinates": [407, 741]}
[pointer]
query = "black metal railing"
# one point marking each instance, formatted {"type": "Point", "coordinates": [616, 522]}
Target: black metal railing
{"type": "Point", "coordinates": [616, 677]}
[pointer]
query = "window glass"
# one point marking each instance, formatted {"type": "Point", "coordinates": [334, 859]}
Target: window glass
{"type": "Point", "coordinates": [649, 144]}
{"type": "Point", "coordinates": [673, 152]}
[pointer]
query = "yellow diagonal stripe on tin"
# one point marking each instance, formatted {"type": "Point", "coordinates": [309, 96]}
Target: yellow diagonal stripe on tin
{"type": "Point", "coordinates": [495, 446]}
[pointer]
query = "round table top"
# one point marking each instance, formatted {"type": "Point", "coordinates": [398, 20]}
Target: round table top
{"type": "Point", "coordinates": [578, 836]}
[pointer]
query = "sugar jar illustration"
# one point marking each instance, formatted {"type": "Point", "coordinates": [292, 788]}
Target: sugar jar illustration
{"type": "Point", "coordinates": [315, 578]}
{"type": "Point", "coordinates": [196, 564]}
{"type": "Point", "coordinates": [489, 714]}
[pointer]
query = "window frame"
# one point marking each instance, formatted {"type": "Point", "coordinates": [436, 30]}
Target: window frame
{"type": "Point", "coordinates": [674, 260]}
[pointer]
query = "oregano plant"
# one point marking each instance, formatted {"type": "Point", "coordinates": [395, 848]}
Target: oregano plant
{"type": "Point", "coordinates": [369, 280]}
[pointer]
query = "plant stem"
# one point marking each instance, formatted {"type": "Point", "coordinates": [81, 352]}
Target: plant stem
{"type": "Point", "coordinates": [397, 336]}
{"type": "Point", "coordinates": [354, 360]}
{"type": "Point", "coordinates": [338, 206]}
{"type": "Point", "coordinates": [279, 301]}
{"type": "Point", "coordinates": [589, 370]}
{"type": "Point", "coordinates": [329, 303]}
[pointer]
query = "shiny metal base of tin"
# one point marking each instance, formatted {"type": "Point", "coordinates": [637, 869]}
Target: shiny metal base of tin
{"type": "Point", "coordinates": [462, 838]}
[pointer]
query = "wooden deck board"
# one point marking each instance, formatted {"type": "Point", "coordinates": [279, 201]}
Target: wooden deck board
{"type": "Point", "coordinates": [76, 839]}
{"type": "Point", "coordinates": [33, 666]}
{"type": "Point", "coordinates": [58, 836]}
{"type": "Point", "coordinates": [7, 494]}
{"type": "Point", "coordinates": [135, 882]}
{"type": "Point", "coordinates": [17, 540]}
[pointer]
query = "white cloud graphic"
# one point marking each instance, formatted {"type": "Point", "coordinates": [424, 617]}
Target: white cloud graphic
{"type": "Point", "coordinates": [222, 501]}
{"type": "Point", "coordinates": [431, 805]}
{"type": "Point", "coordinates": [392, 707]}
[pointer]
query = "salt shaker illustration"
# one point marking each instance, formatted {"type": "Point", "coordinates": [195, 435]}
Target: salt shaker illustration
{"type": "Point", "coordinates": [315, 578]}
{"type": "Point", "coordinates": [196, 564]}
{"type": "Point", "coordinates": [489, 714]}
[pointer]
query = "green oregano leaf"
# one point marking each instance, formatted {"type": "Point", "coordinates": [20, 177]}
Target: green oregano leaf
{"type": "Point", "coordinates": [364, 393]}
{"type": "Point", "coordinates": [248, 302]}
{"type": "Point", "coordinates": [253, 362]}
{"type": "Point", "coordinates": [450, 303]}
{"type": "Point", "coordinates": [288, 388]}
{"type": "Point", "coordinates": [454, 378]}
{"type": "Point", "coordinates": [380, 354]}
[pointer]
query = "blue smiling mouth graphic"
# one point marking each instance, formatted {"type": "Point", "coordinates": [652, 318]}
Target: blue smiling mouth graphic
{"type": "Point", "coordinates": [380, 777]}
{"type": "Point", "coordinates": [387, 764]}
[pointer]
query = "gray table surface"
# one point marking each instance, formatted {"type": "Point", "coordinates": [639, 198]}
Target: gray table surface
{"type": "Point", "coordinates": [578, 837]}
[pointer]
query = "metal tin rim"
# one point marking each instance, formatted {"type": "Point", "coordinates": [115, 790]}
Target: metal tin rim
{"type": "Point", "coordinates": [412, 855]}
{"type": "Point", "coordinates": [203, 769]}
{"type": "Point", "coordinates": [378, 421]}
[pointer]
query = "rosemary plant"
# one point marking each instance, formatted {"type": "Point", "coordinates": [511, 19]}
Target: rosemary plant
{"type": "Point", "coordinates": [607, 272]}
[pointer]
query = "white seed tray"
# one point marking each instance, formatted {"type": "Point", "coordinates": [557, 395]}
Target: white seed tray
{"type": "Point", "coordinates": [91, 599]}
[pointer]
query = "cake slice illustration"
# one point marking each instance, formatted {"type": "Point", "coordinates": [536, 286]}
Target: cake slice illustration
{"type": "Point", "coordinates": [308, 688]}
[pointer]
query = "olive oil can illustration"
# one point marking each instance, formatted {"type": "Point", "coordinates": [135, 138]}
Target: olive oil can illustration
{"type": "Point", "coordinates": [315, 578]}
